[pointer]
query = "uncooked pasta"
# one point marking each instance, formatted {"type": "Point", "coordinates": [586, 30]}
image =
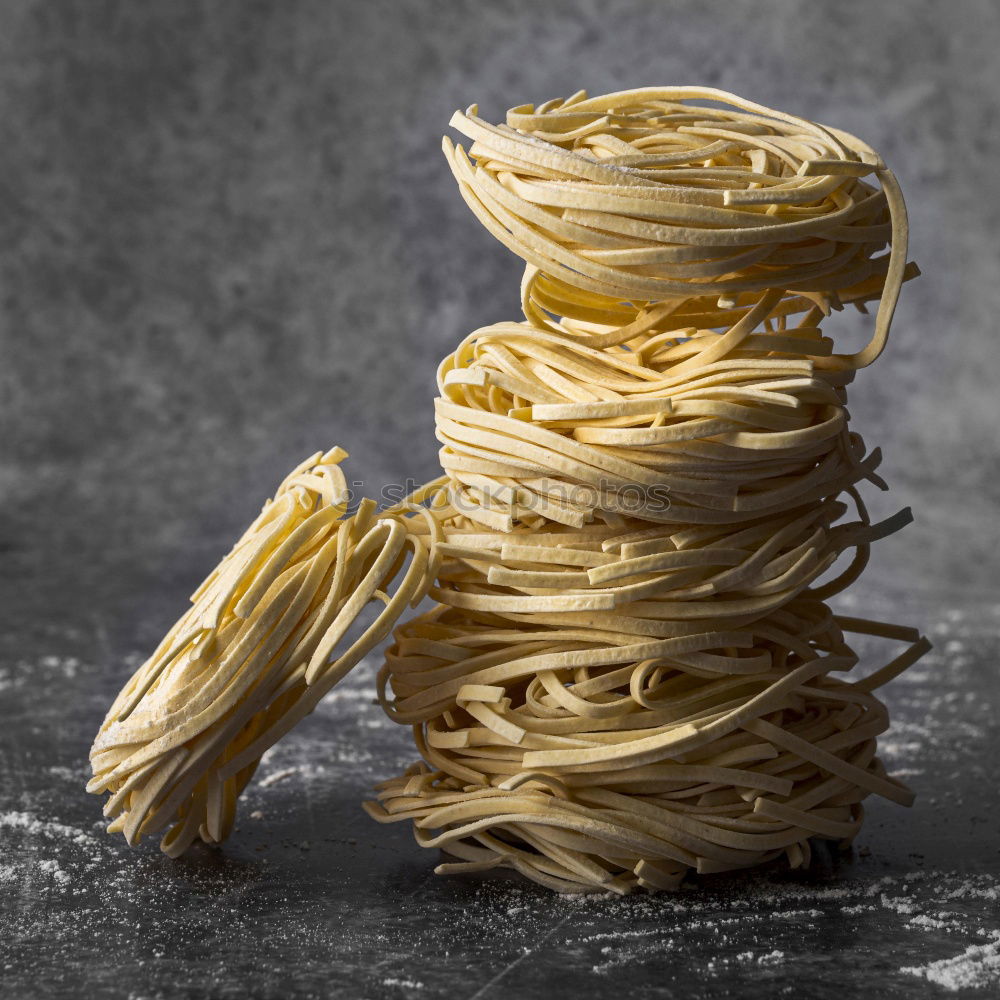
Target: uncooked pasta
{"type": "Point", "coordinates": [630, 670]}
{"type": "Point", "coordinates": [252, 656]}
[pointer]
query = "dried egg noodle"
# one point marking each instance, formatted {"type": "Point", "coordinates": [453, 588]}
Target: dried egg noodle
{"type": "Point", "coordinates": [614, 690]}
{"type": "Point", "coordinates": [252, 656]}
{"type": "Point", "coordinates": [631, 671]}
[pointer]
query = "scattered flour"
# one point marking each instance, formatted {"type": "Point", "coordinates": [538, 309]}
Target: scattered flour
{"type": "Point", "coordinates": [976, 967]}
{"type": "Point", "coordinates": [52, 868]}
{"type": "Point", "coordinates": [900, 904]}
{"type": "Point", "coordinates": [928, 923]}
{"type": "Point", "coordinates": [76, 775]}
{"type": "Point", "coordinates": [44, 828]}
{"type": "Point", "coordinates": [771, 958]}
{"type": "Point", "coordinates": [66, 665]}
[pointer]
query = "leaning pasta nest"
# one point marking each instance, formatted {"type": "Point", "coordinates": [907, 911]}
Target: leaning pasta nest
{"type": "Point", "coordinates": [252, 657]}
{"type": "Point", "coordinates": [630, 670]}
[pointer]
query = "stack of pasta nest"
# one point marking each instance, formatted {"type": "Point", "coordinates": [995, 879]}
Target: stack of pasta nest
{"type": "Point", "coordinates": [650, 492]}
{"type": "Point", "coordinates": [632, 671]}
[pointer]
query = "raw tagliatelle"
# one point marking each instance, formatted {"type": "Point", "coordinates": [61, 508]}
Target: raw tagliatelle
{"type": "Point", "coordinates": [630, 670]}
{"type": "Point", "coordinates": [252, 656]}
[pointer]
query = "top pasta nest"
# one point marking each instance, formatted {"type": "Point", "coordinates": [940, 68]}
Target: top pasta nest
{"type": "Point", "coordinates": [646, 196]}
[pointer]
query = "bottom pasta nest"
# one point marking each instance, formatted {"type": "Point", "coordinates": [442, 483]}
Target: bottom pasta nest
{"type": "Point", "coordinates": [708, 753]}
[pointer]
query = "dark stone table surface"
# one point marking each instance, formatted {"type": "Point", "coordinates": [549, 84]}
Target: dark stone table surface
{"type": "Point", "coordinates": [229, 240]}
{"type": "Point", "coordinates": [310, 898]}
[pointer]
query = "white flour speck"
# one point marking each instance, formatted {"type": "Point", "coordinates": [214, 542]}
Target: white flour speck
{"type": "Point", "coordinates": [974, 968]}
{"type": "Point", "coordinates": [44, 828]}
{"type": "Point", "coordinates": [52, 868]}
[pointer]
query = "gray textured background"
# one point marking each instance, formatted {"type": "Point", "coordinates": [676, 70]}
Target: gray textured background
{"type": "Point", "coordinates": [230, 239]}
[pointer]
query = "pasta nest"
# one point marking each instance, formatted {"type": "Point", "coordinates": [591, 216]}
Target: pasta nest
{"type": "Point", "coordinates": [609, 708]}
{"type": "Point", "coordinates": [688, 427]}
{"type": "Point", "coordinates": [642, 197]}
{"type": "Point", "coordinates": [253, 656]}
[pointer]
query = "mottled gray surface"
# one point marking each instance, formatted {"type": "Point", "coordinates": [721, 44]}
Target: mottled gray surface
{"type": "Point", "coordinates": [311, 899]}
{"type": "Point", "coordinates": [230, 240]}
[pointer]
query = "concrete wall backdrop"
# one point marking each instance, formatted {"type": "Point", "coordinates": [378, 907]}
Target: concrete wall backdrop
{"type": "Point", "coordinates": [229, 239]}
